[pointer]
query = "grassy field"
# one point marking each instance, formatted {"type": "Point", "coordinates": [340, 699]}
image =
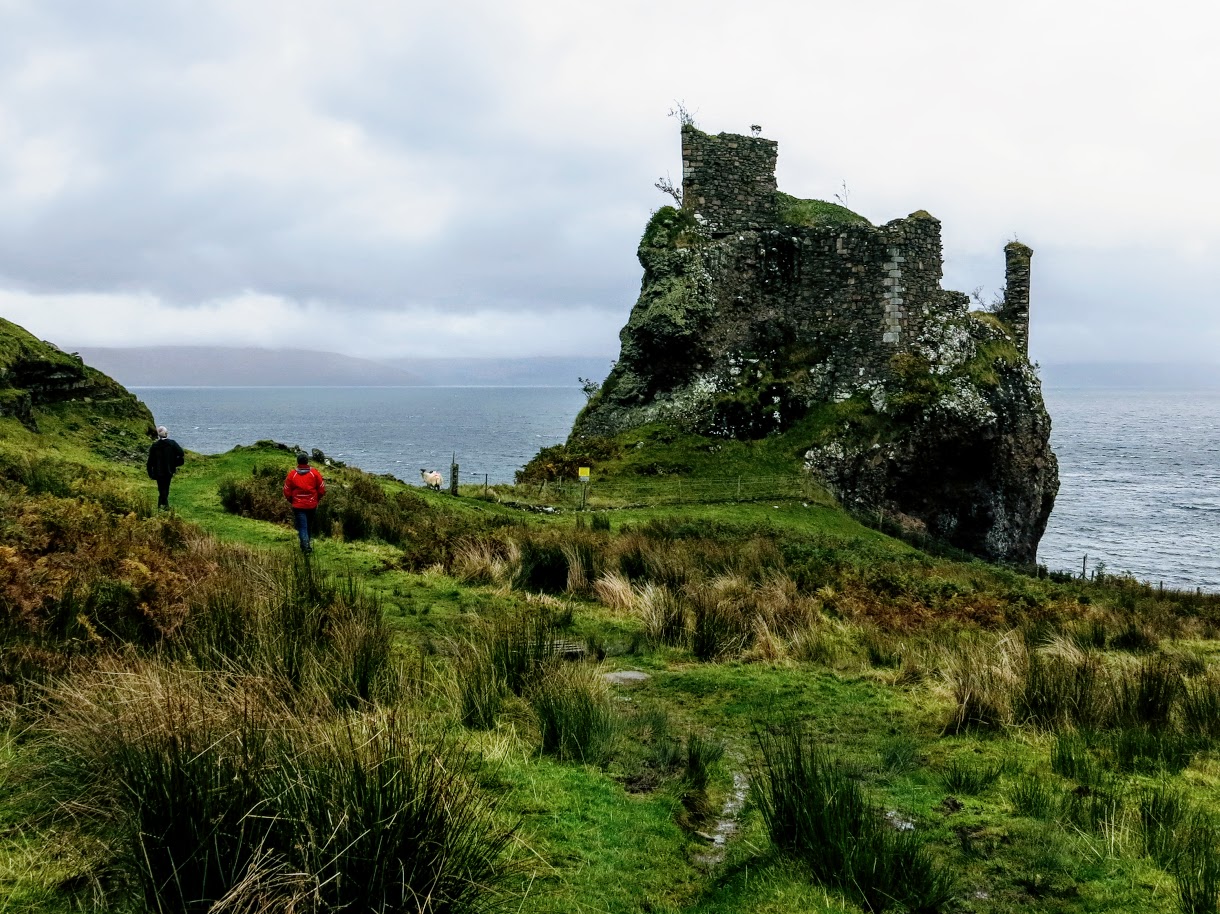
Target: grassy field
{"type": "Point", "coordinates": [819, 717]}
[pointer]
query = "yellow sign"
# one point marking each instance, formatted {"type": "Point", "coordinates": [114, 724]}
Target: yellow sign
{"type": "Point", "coordinates": [584, 474]}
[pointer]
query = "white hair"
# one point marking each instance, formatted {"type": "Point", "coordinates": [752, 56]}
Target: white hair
{"type": "Point", "coordinates": [162, 431]}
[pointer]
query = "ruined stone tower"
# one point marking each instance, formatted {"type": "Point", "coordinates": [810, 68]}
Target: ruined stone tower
{"type": "Point", "coordinates": [1015, 310]}
{"type": "Point", "coordinates": [729, 180]}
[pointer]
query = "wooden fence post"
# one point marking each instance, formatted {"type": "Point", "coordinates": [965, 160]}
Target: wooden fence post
{"type": "Point", "coordinates": [453, 478]}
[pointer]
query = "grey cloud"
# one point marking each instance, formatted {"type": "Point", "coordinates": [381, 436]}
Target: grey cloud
{"type": "Point", "coordinates": [489, 157]}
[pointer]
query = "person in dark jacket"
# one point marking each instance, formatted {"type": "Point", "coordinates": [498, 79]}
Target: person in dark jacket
{"type": "Point", "coordinates": [164, 458]}
{"type": "Point", "coordinates": [304, 488]}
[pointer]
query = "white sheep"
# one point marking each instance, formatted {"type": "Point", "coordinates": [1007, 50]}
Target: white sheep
{"type": "Point", "coordinates": [432, 479]}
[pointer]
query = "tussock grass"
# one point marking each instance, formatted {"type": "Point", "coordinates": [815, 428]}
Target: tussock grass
{"type": "Point", "coordinates": [220, 793]}
{"type": "Point", "coordinates": [1167, 818]}
{"type": "Point", "coordinates": [1098, 808]}
{"type": "Point", "coordinates": [508, 656]}
{"type": "Point", "coordinates": [576, 720]}
{"type": "Point", "coordinates": [485, 560]}
{"type": "Point", "coordinates": [900, 755]}
{"type": "Point", "coordinates": [615, 592]}
{"type": "Point", "coordinates": [1198, 875]}
{"type": "Point", "coordinates": [1146, 695]}
{"type": "Point", "coordinates": [1200, 705]}
{"type": "Point", "coordinates": [281, 619]}
{"type": "Point", "coordinates": [1031, 795]}
{"type": "Point", "coordinates": [481, 688]}
{"type": "Point", "coordinates": [816, 813]}
{"type": "Point", "coordinates": [721, 619]}
{"type": "Point", "coordinates": [1071, 758]}
{"type": "Point", "coordinates": [664, 613]}
{"type": "Point", "coordinates": [981, 680]}
{"type": "Point", "coordinates": [965, 777]}
{"type": "Point", "coordinates": [1063, 687]}
{"type": "Point", "coordinates": [1145, 750]}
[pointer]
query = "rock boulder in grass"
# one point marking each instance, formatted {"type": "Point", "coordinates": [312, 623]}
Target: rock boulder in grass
{"type": "Point", "coordinates": [39, 381]}
{"type": "Point", "coordinates": [760, 313]}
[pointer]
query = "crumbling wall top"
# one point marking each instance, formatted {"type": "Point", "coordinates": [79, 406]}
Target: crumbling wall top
{"type": "Point", "coordinates": [729, 179]}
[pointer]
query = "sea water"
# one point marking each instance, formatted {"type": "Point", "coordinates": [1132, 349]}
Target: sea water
{"type": "Point", "coordinates": [1139, 484]}
{"type": "Point", "coordinates": [1139, 470]}
{"type": "Point", "coordinates": [490, 431]}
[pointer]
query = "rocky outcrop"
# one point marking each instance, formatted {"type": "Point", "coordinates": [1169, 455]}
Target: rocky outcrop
{"type": "Point", "coordinates": [40, 382]}
{"type": "Point", "coordinates": [836, 333]}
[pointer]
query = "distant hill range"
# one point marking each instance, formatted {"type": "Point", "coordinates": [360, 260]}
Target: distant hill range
{"type": "Point", "coordinates": [220, 366]}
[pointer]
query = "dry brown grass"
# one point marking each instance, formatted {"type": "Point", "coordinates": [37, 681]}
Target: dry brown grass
{"type": "Point", "coordinates": [664, 613]}
{"type": "Point", "coordinates": [980, 676]}
{"type": "Point", "coordinates": [615, 592]}
{"type": "Point", "coordinates": [485, 561]}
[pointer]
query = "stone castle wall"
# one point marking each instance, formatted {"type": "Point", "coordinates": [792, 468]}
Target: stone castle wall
{"type": "Point", "coordinates": [728, 179]}
{"type": "Point", "coordinates": [869, 289]}
{"type": "Point", "coordinates": [851, 295]}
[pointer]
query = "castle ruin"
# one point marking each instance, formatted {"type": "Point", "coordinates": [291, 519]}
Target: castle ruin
{"type": "Point", "coordinates": [763, 315]}
{"type": "Point", "coordinates": [884, 281]}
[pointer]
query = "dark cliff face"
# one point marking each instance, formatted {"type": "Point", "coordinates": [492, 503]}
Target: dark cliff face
{"type": "Point", "coordinates": [39, 382]}
{"type": "Point", "coordinates": [913, 404]}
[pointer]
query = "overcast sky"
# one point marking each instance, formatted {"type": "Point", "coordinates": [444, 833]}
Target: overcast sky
{"type": "Point", "coordinates": [471, 178]}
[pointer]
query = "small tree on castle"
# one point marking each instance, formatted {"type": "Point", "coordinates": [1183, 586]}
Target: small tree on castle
{"type": "Point", "coordinates": [666, 185]}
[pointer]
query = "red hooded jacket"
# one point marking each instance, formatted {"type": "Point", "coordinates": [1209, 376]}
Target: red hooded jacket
{"type": "Point", "coordinates": [303, 487]}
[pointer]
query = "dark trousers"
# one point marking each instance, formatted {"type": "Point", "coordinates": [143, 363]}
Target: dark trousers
{"type": "Point", "coordinates": [163, 491]}
{"type": "Point", "coordinates": [305, 520]}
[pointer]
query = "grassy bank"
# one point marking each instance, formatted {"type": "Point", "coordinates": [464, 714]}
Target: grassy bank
{"type": "Point", "coordinates": [818, 717]}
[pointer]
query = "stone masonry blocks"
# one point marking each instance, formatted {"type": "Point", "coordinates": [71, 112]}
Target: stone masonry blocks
{"type": "Point", "coordinates": [729, 180]}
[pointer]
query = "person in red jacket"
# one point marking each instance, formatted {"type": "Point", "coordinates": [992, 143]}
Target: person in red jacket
{"type": "Point", "coordinates": [304, 488]}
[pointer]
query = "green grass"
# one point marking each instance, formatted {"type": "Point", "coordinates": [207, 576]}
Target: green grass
{"type": "Point", "coordinates": [863, 639]}
{"type": "Point", "coordinates": [811, 213]}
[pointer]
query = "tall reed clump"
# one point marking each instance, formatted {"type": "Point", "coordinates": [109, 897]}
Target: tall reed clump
{"type": "Point", "coordinates": [481, 687]}
{"type": "Point", "coordinates": [1201, 705]}
{"type": "Point", "coordinates": [701, 756]}
{"type": "Point", "coordinates": [721, 619]}
{"type": "Point", "coordinates": [506, 657]}
{"type": "Point", "coordinates": [1181, 837]}
{"type": "Point", "coordinates": [980, 677]}
{"type": "Point", "coordinates": [664, 613]}
{"type": "Point", "coordinates": [485, 560]}
{"type": "Point", "coordinates": [576, 719]}
{"type": "Point", "coordinates": [279, 618]}
{"type": "Point", "coordinates": [1167, 818]}
{"type": "Point", "coordinates": [615, 591]}
{"type": "Point", "coordinates": [961, 776]}
{"type": "Point", "coordinates": [214, 794]}
{"type": "Point", "coordinates": [387, 823]}
{"type": "Point", "coordinates": [1198, 873]}
{"type": "Point", "coordinates": [816, 813]}
{"type": "Point", "coordinates": [1064, 688]}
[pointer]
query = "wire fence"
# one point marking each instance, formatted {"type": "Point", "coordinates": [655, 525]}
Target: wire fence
{"type": "Point", "coordinates": [648, 491]}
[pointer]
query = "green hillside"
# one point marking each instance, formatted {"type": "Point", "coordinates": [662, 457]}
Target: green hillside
{"type": "Point", "coordinates": [816, 716]}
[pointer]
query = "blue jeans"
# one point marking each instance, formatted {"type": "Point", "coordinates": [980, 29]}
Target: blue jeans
{"type": "Point", "coordinates": [304, 519]}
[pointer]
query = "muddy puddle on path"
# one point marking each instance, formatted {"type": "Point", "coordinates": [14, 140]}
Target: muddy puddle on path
{"type": "Point", "coordinates": [726, 824]}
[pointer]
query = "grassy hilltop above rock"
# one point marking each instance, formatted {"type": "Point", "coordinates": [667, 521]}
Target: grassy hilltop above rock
{"type": "Point", "coordinates": [46, 389]}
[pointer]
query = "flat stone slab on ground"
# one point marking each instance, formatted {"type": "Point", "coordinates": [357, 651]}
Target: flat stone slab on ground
{"type": "Point", "coordinates": [625, 677]}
